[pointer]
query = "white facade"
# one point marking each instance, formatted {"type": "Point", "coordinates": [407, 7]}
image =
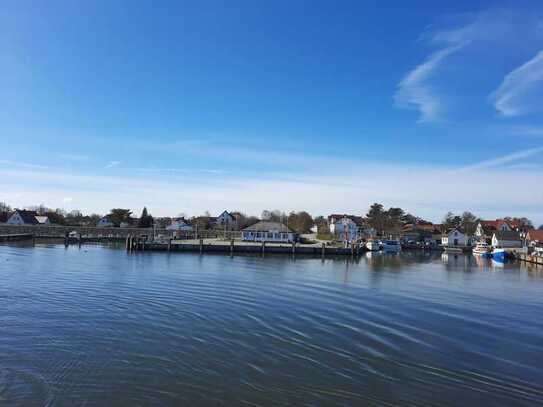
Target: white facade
{"type": "Point", "coordinates": [105, 223]}
{"type": "Point", "coordinates": [345, 228]}
{"type": "Point", "coordinates": [266, 231]}
{"type": "Point", "coordinates": [454, 238]}
{"type": "Point", "coordinates": [226, 219]}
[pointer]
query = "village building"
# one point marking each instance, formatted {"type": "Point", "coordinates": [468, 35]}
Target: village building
{"type": "Point", "coordinates": [105, 222]}
{"type": "Point", "coordinates": [506, 238]}
{"type": "Point", "coordinates": [455, 237]}
{"type": "Point", "coordinates": [486, 228]}
{"type": "Point", "coordinates": [269, 231]}
{"type": "Point", "coordinates": [23, 217]}
{"type": "Point", "coordinates": [346, 227]}
{"type": "Point", "coordinates": [534, 238]}
{"type": "Point", "coordinates": [179, 224]}
{"type": "Point", "coordinates": [422, 232]}
{"type": "Point", "coordinates": [226, 220]}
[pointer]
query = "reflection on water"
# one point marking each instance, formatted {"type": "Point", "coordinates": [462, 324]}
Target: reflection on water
{"type": "Point", "coordinates": [98, 326]}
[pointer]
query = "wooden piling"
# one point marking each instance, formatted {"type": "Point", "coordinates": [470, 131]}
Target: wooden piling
{"type": "Point", "coordinates": [127, 242]}
{"type": "Point", "coordinates": [293, 247]}
{"type": "Point", "coordinates": [232, 246]}
{"type": "Point", "coordinates": [169, 245]}
{"type": "Point", "coordinates": [201, 245]}
{"type": "Point", "coordinates": [263, 247]}
{"type": "Point", "coordinates": [323, 250]}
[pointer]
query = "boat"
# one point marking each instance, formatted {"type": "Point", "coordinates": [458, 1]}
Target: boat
{"type": "Point", "coordinates": [499, 254]}
{"type": "Point", "coordinates": [482, 249]}
{"type": "Point", "coordinates": [373, 246]}
{"type": "Point", "coordinates": [392, 246]}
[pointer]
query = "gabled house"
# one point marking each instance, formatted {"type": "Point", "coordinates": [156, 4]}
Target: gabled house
{"type": "Point", "coordinates": [23, 217]}
{"type": "Point", "coordinates": [269, 231]}
{"type": "Point", "coordinates": [346, 227]}
{"type": "Point", "coordinates": [179, 224]}
{"type": "Point", "coordinates": [227, 220]}
{"type": "Point", "coordinates": [455, 237]}
{"type": "Point", "coordinates": [506, 238]}
{"type": "Point", "coordinates": [105, 222]}
{"type": "Point", "coordinates": [534, 238]}
{"type": "Point", "coordinates": [486, 228]}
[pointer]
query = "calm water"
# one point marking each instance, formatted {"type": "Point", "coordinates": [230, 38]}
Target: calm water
{"type": "Point", "coordinates": [96, 326]}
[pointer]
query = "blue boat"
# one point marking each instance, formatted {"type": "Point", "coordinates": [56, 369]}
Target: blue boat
{"type": "Point", "coordinates": [499, 255]}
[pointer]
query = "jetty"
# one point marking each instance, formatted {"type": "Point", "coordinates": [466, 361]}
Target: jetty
{"type": "Point", "coordinates": [135, 244]}
{"type": "Point", "coordinates": [17, 237]}
{"type": "Point", "coordinates": [530, 258]}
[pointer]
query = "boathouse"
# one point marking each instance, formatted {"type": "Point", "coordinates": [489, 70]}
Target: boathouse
{"type": "Point", "coordinates": [455, 237]}
{"type": "Point", "coordinates": [268, 231]}
{"type": "Point", "coordinates": [22, 217]}
{"type": "Point", "coordinates": [508, 238]}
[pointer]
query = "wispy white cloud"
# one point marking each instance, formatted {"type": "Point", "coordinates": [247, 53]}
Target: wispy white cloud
{"type": "Point", "coordinates": [113, 164]}
{"type": "Point", "coordinates": [522, 89]}
{"type": "Point", "coordinates": [21, 164]}
{"type": "Point", "coordinates": [518, 155]}
{"type": "Point", "coordinates": [415, 93]}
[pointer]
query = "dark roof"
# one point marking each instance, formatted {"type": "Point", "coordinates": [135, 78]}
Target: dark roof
{"type": "Point", "coordinates": [266, 225]}
{"type": "Point", "coordinates": [229, 214]}
{"type": "Point", "coordinates": [507, 235]}
{"type": "Point", "coordinates": [29, 217]}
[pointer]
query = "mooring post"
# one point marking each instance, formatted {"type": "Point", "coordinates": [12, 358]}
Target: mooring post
{"type": "Point", "coordinates": [127, 241]}
{"type": "Point", "coordinates": [263, 247]}
{"type": "Point", "coordinates": [293, 247]}
{"type": "Point", "coordinates": [352, 249]}
{"type": "Point", "coordinates": [323, 250]}
{"type": "Point", "coordinates": [142, 244]}
{"type": "Point", "coordinates": [201, 245]}
{"type": "Point", "coordinates": [232, 246]}
{"type": "Point", "coordinates": [358, 249]}
{"type": "Point", "coordinates": [169, 245]}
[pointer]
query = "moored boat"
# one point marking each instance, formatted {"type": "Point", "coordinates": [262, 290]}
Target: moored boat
{"type": "Point", "coordinates": [373, 246]}
{"type": "Point", "coordinates": [499, 254]}
{"type": "Point", "coordinates": [482, 249]}
{"type": "Point", "coordinates": [392, 246]}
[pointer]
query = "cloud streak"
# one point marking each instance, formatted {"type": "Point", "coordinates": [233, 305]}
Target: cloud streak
{"type": "Point", "coordinates": [518, 155]}
{"type": "Point", "coordinates": [415, 93]}
{"type": "Point", "coordinates": [521, 90]}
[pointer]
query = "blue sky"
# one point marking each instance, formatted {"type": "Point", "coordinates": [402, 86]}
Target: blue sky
{"type": "Point", "coordinates": [325, 106]}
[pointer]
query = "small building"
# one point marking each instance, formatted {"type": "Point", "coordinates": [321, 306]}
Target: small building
{"type": "Point", "coordinates": [23, 217]}
{"type": "Point", "coordinates": [507, 238]}
{"type": "Point", "coordinates": [105, 222]}
{"type": "Point", "coordinates": [534, 238]}
{"type": "Point", "coordinates": [345, 227]}
{"type": "Point", "coordinates": [269, 231]}
{"type": "Point", "coordinates": [455, 237]}
{"type": "Point", "coordinates": [179, 224]}
{"type": "Point", "coordinates": [227, 220]}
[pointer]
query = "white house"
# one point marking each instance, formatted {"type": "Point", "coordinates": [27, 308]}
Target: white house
{"type": "Point", "coordinates": [534, 238]}
{"type": "Point", "coordinates": [345, 227]}
{"type": "Point", "coordinates": [227, 220]}
{"type": "Point", "coordinates": [268, 231]}
{"type": "Point", "coordinates": [485, 228]}
{"type": "Point", "coordinates": [21, 217]}
{"type": "Point", "coordinates": [455, 237]}
{"type": "Point", "coordinates": [508, 238]}
{"type": "Point", "coordinates": [180, 224]}
{"type": "Point", "coordinates": [105, 222]}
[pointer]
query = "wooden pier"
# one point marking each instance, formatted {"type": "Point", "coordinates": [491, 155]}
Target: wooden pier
{"type": "Point", "coordinates": [530, 258]}
{"type": "Point", "coordinates": [133, 244]}
{"type": "Point", "coordinates": [16, 237]}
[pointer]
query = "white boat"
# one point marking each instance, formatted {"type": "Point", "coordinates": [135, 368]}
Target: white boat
{"type": "Point", "coordinates": [373, 246]}
{"type": "Point", "coordinates": [482, 249]}
{"type": "Point", "coordinates": [392, 246]}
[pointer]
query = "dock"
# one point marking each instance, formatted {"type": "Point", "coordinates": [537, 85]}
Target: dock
{"type": "Point", "coordinates": [134, 244]}
{"type": "Point", "coordinates": [17, 237]}
{"type": "Point", "coordinates": [528, 258]}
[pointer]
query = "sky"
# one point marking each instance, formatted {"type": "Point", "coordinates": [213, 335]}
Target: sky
{"type": "Point", "coordinates": [194, 106]}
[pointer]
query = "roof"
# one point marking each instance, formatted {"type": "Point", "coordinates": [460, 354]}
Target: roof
{"type": "Point", "coordinates": [495, 224]}
{"type": "Point", "coordinates": [41, 219]}
{"type": "Point", "coordinates": [228, 213]}
{"type": "Point", "coordinates": [266, 225]}
{"type": "Point", "coordinates": [28, 217]}
{"type": "Point", "coordinates": [507, 235]}
{"type": "Point", "coordinates": [535, 235]}
{"type": "Point", "coordinates": [449, 231]}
